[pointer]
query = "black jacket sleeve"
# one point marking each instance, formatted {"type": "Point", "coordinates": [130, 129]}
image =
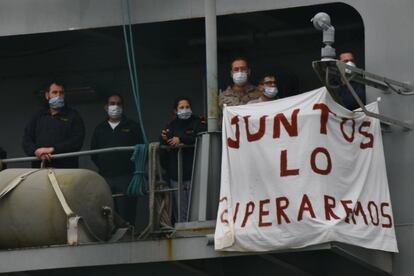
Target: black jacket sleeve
{"type": "Point", "coordinates": [94, 145]}
{"type": "Point", "coordinates": [29, 142]}
{"type": "Point", "coordinates": [168, 126]}
{"type": "Point", "coordinates": [75, 141]}
{"type": "Point", "coordinates": [3, 154]}
{"type": "Point", "coordinates": [360, 90]}
{"type": "Point", "coordinates": [198, 126]}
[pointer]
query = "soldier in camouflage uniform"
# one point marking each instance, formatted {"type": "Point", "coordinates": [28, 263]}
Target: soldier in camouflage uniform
{"type": "Point", "coordinates": [241, 92]}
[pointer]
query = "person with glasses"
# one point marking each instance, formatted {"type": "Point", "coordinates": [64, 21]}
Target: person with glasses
{"type": "Point", "coordinates": [268, 88]}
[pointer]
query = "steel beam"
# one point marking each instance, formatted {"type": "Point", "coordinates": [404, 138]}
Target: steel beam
{"type": "Point", "coordinates": [178, 249]}
{"type": "Point", "coordinates": [211, 64]}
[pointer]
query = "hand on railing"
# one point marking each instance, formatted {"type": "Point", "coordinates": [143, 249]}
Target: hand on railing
{"type": "Point", "coordinates": [44, 153]}
{"type": "Point", "coordinates": [173, 142]}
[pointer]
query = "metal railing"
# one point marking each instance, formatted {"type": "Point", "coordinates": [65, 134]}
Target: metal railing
{"type": "Point", "coordinates": [160, 221]}
{"type": "Point", "coordinates": [327, 68]}
{"type": "Point", "coordinates": [180, 180]}
{"type": "Point", "coordinates": [68, 154]}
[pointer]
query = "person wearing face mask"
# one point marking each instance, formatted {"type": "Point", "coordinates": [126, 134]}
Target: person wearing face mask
{"type": "Point", "coordinates": [241, 92]}
{"type": "Point", "coordinates": [56, 128]}
{"type": "Point", "coordinates": [117, 130]}
{"type": "Point", "coordinates": [347, 99]}
{"type": "Point", "coordinates": [183, 129]}
{"type": "Point", "coordinates": [269, 90]}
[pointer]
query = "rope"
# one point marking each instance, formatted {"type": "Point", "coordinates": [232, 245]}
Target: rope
{"type": "Point", "coordinates": [72, 218]}
{"type": "Point", "coordinates": [138, 184]}
{"type": "Point", "coordinates": [157, 201]}
{"type": "Point", "coordinates": [130, 49]}
{"type": "Point", "coordinates": [15, 182]}
{"type": "Point", "coordinates": [151, 180]}
{"type": "Point", "coordinates": [59, 194]}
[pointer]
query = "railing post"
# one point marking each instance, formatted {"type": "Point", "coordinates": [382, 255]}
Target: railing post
{"type": "Point", "coordinates": [180, 182]}
{"type": "Point", "coordinates": [211, 64]}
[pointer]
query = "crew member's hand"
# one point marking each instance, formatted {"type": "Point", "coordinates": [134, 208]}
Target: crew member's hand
{"type": "Point", "coordinates": [174, 141]}
{"type": "Point", "coordinates": [44, 153]}
{"type": "Point", "coordinates": [164, 134]}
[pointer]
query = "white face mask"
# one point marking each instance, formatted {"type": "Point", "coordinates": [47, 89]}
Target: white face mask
{"type": "Point", "coordinates": [350, 63]}
{"type": "Point", "coordinates": [240, 78]}
{"type": "Point", "coordinates": [270, 91]}
{"type": "Point", "coordinates": [114, 111]}
{"type": "Point", "coordinates": [57, 102]}
{"type": "Point", "coordinates": [184, 114]}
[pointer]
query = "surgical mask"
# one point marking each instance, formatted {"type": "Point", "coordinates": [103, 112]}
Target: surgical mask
{"type": "Point", "coordinates": [114, 111]}
{"type": "Point", "coordinates": [240, 78]}
{"type": "Point", "coordinates": [270, 91]}
{"type": "Point", "coordinates": [184, 114]}
{"type": "Point", "coordinates": [350, 63]}
{"type": "Point", "coordinates": [56, 102]}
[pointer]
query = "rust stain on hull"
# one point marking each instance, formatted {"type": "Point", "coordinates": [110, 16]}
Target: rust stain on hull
{"type": "Point", "coordinates": [169, 249]}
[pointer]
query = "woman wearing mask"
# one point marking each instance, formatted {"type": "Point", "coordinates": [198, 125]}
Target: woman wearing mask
{"type": "Point", "coordinates": [181, 130]}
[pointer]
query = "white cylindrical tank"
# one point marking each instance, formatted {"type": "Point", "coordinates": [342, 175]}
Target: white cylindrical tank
{"type": "Point", "coordinates": [31, 214]}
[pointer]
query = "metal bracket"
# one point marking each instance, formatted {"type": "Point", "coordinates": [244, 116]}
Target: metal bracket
{"type": "Point", "coordinates": [72, 218]}
{"type": "Point", "coordinates": [337, 68]}
{"type": "Point", "coordinates": [72, 230]}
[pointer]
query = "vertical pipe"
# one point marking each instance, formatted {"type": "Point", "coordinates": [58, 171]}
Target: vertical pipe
{"type": "Point", "coordinates": [211, 64]}
{"type": "Point", "coordinates": [180, 182]}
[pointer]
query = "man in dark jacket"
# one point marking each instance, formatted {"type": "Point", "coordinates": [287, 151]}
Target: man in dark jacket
{"type": "Point", "coordinates": [56, 128]}
{"type": "Point", "coordinates": [117, 168]}
{"type": "Point", "coordinates": [346, 96]}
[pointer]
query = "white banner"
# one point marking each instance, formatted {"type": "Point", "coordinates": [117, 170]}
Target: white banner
{"type": "Point", "coordinates": [301, 171]}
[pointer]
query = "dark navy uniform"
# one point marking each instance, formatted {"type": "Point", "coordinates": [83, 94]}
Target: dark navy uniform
{"type": "Point", "coordinates": [347, 98]}
{"type": "Point", "coordinates": [3, 155]}
{"type": "Point", "coordinates": [117, 167]}
{"type": "Point", "coordinates": [64, 131]}
{"type": "Point", "coordinates": [127, 133]}
{"type": "Point", "coordinates": [186, 130]}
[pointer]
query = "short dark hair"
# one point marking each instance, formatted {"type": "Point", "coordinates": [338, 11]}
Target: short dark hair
{"type": "Point", "coordinates": [57, 82]}
{"type": "Point", "coordinates": [345, 52]}
{"type": "Point", "coordinates": [114, 95]}
{"type": "Point", "coordinates": [238, 58]}
{"type": "Point", "coordinates": [179, 99]}
{"type": "Point", "coordinates": [261, 81]}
